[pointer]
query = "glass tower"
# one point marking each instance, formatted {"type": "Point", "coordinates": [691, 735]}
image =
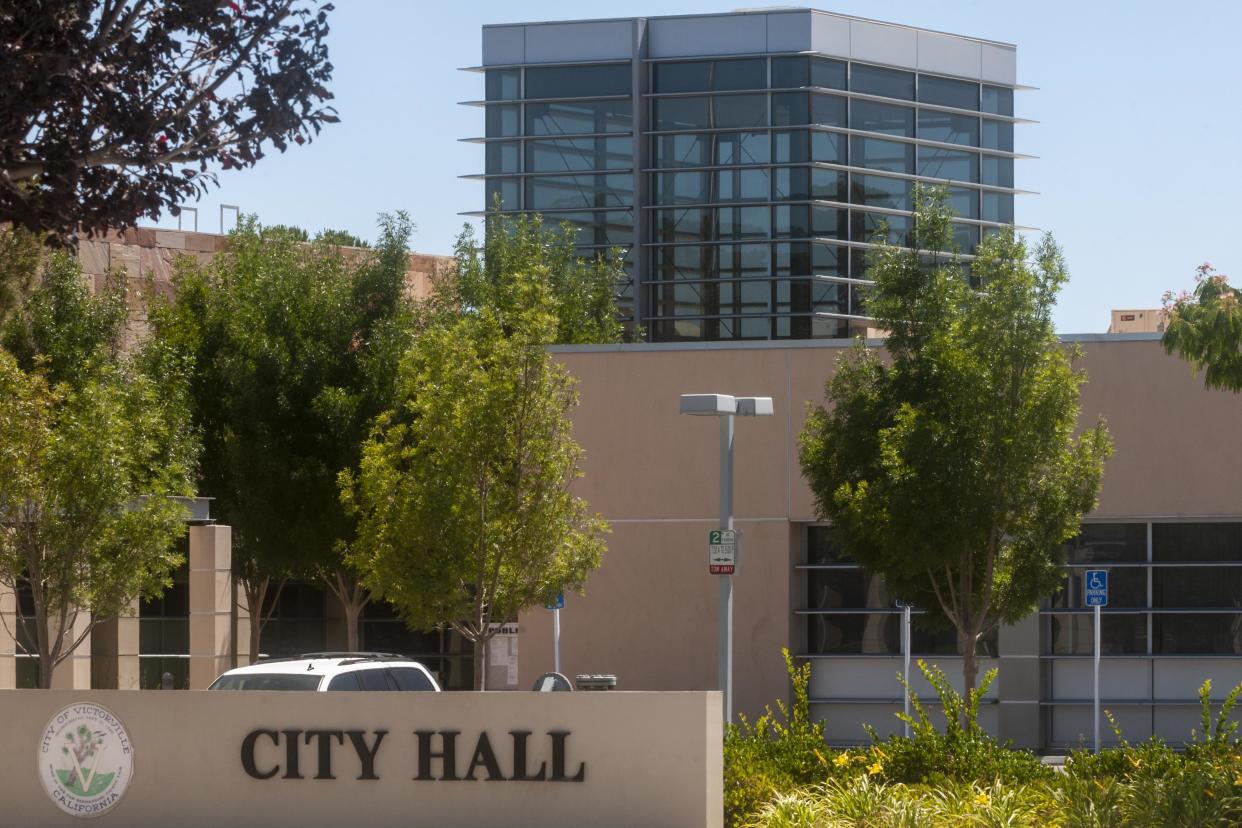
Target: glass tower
{"type": "Point", "coordinates": [745, 161]}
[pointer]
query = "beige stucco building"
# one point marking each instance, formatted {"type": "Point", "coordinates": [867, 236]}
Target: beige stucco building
{"type": "Point", "coordinates": [1167, 524]}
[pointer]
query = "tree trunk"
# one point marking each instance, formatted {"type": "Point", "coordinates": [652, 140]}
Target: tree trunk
{"type": "Point", "coordinates": [970, 663]}
{"type": "Point", "coordinates": [354, 599]}
{"type": "Point", "coordinates": [480, 664]}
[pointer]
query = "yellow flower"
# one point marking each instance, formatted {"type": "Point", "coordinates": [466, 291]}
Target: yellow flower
{"type": "Point", "coordinates": [843, 759]}
{"type": "Point", "coordinates": [875, 769]}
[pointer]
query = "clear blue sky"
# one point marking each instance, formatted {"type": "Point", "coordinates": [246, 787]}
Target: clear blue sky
{"type": "Point", "coordinates": [1139, 173]}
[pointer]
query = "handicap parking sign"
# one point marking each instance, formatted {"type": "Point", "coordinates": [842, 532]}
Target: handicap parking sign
{"type": "Point", "coordinates": [1095, 588]}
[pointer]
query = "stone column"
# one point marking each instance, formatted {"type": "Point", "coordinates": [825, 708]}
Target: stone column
{"type": "Point", "coordinates": [114, 652]}
{"type": "Point", "coordinates": [211, 603]}
{"type": "Point", "coordinates": [8, 646]}
{"type": "Point", "coordinates": [1020, 684]}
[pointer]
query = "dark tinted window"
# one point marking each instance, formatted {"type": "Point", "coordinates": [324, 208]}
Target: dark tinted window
{"type": "Point", "coordinates": [502, 157]}
{"type": "Point", "coordinates": [828, 73]}
{"type": "Point", "coordinates": [948, 92]}
{"type": "Point", "coordinates": [877, 117]}
{"type": "Point", "coordinates": [876, 80]}
{"type": "Point", "coordinates": [828, 110]}
{"type": "Point", "coordinates": [710, 75]}
{"type": "Point", "coordinates": [374, 679]}
{"type": "Point", "coordinates": [790, 108]}
{"type": "Point", "coordinates": [502, 84]}
{"type": "Point", "coordinates": [998, 135]}
{"type": "Point", "coordinates": [948, 128]}
{"type": "Point", "coordinates": [1196, 541]}
{"type": "Point", "coordinates": [997, 171]}
{"type": "Point", "coordinates": [410, 678]}
{"type": "Point", "coordinates": [997, 100]}
{"type": "Point", "coordinates": [267, 681]}
{"type": "Point", "coordinates": [882, 155]}
{"type": "Point", "coordinates": [503, 121]}
{"type": "Point", "coordinates": [577, 81]}
{"type": "Point", "coordinates": [791, 72]}
{"type": "Point", "coordinates": [582, 117]}
{"type": "Point", "coordinates": [345, 681]}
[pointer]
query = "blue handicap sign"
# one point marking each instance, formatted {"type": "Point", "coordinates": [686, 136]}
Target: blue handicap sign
{"type": "Point", "coordinates": [1095, 588]}
{"type": "Point", "coordinates": [557, 603]}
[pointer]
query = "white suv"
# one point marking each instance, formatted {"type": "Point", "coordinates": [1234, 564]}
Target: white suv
{"type": "Point", "coordinates": [330, 671]}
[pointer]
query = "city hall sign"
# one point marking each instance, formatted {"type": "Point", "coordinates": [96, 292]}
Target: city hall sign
{"type": "Point", "coordinates": [138, 758]}
{"type": "Point", "coordinates": [434, 756]}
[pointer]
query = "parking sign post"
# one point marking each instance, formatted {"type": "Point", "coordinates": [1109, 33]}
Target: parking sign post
{"type": "Point", "coordinates": [1095, 594]}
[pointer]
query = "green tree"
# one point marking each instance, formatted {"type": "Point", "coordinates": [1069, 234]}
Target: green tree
{"type": "Point", "coordinates": [294, 350]}
{"type": "Point", "coordinates": [1204, 328]}
{"type": "Point", "coordinates": [92, 448]}
{"type": "Point", "coordinates": [583, 290]}
{"type": "Point", "coordinates": [466, 517]}
{"type": "Point", "coordinates": [952, 468]}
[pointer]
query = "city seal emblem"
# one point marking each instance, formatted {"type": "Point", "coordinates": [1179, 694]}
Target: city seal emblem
{"type": "Point", "coordinates": [86, 760]}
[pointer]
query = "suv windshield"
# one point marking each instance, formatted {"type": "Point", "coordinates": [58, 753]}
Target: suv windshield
{"type": "Point", "coordinates": [266, 681]}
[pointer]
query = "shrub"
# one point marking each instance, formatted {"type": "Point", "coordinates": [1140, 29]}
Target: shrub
{"type": "Point", "coordinates": [776, 754]}
{"type": "Point", "coordinates": [963, 752]}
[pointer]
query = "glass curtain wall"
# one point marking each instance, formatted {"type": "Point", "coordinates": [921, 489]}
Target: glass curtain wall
{"type": "Point", "coordinates": [1175, 589]}
{"type": "Point", "coordinates": [559, 141]}
{"type": "Point", "coordinates": [770, 177]}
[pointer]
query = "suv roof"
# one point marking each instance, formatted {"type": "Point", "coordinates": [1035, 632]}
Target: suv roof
{"type": "Point", "coordinates": [329, 664]}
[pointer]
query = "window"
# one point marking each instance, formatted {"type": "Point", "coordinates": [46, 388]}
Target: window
{"type": "Point", "coordinates": [948, 92]}
{"type": "Point", "coordinates": [997, 207]}
{"type": "Point", "coordinates": [743, 222]}
{"type": "Point", "coordinates": [828, 110]}
{"type": "Point", "coordinates": [877, 154]}
{"type": "Point", "coordinates": [503, 121]}
{"type": "Point", "coordinates": [710, 75]}
{"type": "Point", "coordinates": [577, 81]}
{"type": "Point", "coordinates": [502, 84]}
{"type": "Point", "coordinates": [998, 135]}
{"type": "Point", "coordinates": [879, 191]}
{"type": "Point", "coordinates": [682, 150]}
{"type": "Point", "coordinates": [935, 162]}
{"type": "Point", "coordinates": [410, 678]}
{"type": "Point", "coordinates": [345, 681]}
{"type": "Point", "coordinates": [613, 227]}
{"type": "Point", "coordinates": [790, 108]}
{"type": "Point", "coordinates": [577, 191]}
{"type": "Point", "coordinates": [578, 154]}
{"type": "Point", "coordinates": [269, 681]}
{"type": "Point", "coordinates": [886, 118]}
{"type": "Point", "coordinates": [998, 100]}
{"type": "Point", "coordinates": [579, 117]}
{"type": "Point", "coordinates": [948, 128]}
{"type": "Point", "coordinates": [997, 171]}
{"type": "Point", "coordinates": [503, 157]}
{"type": "Point", "coordinates": [877, 80]}
{"type": "Point", "coordinates": [507, 190]}
{"type": "Point", "coordinates": [742, 148]}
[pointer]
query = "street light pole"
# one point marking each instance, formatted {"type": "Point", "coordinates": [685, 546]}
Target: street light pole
{"type": "Point", "coordinates": [724, 407]}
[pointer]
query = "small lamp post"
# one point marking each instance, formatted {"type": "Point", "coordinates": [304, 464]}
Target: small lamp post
{"type": "Point", "coordinates": [724, 407]}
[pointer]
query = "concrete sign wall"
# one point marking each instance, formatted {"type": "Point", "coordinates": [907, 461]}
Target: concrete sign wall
{"type": "Point", "coordinates": [158, 758]}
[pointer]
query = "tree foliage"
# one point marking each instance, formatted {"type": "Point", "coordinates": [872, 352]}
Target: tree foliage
{"type": "Point", "coordinates": [952, 468]}
{"type": "Point", "coordinates": [582, 290]}
{"type": "Point", "coordinates": [92, 446]}
{"type": "Point", "coordinates": [1205, 328]}
{"type": "Point", "coordinates": [294, 350]}
{"type": "Point", "coordinates": [463, 494]}
{"type": "Point", "coordinates": [117, 109]}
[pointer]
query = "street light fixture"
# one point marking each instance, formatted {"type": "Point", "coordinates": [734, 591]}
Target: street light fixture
{"type": "Point", "coordinates": [725, 407]}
